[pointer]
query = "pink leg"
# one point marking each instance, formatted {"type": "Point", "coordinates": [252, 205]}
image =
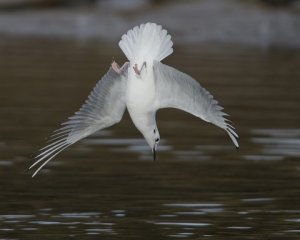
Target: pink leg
{"type": "Point", "coordinates": [124, 65]}
{"type": "Point", "coordinates": [117, 68]}
{"type": "Point", "coordinates": [137, 71]}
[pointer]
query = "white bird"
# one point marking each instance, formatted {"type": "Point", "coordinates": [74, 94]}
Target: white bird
{"type": "Point", "coordinates": [143, 85]}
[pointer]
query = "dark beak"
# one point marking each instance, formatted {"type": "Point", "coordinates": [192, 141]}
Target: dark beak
{"type": "Point", "coordinates": [154, 153]}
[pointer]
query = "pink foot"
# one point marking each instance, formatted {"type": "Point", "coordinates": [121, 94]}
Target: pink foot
{"type": "Point", "coordinates": [117, 68]}
{"type": "Point", "coordinates": [138, 71]}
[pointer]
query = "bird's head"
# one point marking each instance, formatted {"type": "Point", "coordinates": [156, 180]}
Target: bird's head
{"type": "Point", "coordinates": [152, 137]}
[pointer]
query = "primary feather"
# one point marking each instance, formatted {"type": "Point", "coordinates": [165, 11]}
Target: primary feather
{"type": "Point", "coordinates": [175, 89]}
{"type": "Point", "coordinates": [104, 107]}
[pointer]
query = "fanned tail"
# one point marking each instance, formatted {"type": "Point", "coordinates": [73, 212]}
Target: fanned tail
{"type": "Point", "coordinates": [146, 42]}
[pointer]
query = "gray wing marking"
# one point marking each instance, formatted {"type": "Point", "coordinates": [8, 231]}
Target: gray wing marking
{"type": "Point", "coordinates": [176, 89]}
{"type": "Point", "coordinates": [104, 107]}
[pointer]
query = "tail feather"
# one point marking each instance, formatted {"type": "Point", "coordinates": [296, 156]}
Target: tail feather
{"type": "Point", "coordinates": [146, 42]}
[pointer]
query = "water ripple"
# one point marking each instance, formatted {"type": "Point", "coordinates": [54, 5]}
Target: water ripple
{"type": "Point", "coordinates": [276, 143]}
{"type": "Point", "coordinates": [183, 224]}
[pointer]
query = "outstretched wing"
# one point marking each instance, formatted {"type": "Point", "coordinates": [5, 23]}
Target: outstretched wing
{"type": "Point", "coordinates": [176, 89]}
{"type": "Point", "coordinates": [104, 107]}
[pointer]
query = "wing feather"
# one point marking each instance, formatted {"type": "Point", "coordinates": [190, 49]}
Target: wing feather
{"type": "Point", "coordinates": [176, 89]}
{"type": "Point", "coordinates": [104, 107]}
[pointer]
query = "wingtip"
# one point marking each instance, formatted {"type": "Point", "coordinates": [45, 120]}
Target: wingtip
{"type": "Point", "coordinates": [33, 175]}
{"type": "Point", "coordinates": [32, 165]}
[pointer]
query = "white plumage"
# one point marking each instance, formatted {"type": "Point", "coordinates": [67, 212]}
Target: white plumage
{"type": "Point", "coordinates": [143, 85]}
{"type": "Point", "coordinates": [146, 42]}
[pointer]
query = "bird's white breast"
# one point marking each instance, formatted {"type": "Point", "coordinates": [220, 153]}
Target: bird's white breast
{"type": "Point", "coordinates": [140, 94]}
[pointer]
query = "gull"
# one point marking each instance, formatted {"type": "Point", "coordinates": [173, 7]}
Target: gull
{"type": "Point", "coordinates": [143, 85]}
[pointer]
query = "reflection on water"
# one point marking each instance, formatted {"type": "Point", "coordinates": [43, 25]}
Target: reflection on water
{"type": "Point", "coordinates": [200, 187]}
{"type": "Point", "coordinates": [89, 222]}
{"type": "Point", "coordinates": [183, 220]}
{"type": "Point", "coordinates": [278, 143]}
{"type": "Point", "coordinates": [125, 145]}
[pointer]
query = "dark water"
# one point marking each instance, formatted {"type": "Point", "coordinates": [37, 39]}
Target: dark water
{"type": "Point", "coordinates": [108, 187]}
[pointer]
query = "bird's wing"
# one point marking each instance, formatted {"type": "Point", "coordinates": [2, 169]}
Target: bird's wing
{"type": "Point", "coordinates": [104, 107]}
{"type": "Point", "coordinates": [176, 89]}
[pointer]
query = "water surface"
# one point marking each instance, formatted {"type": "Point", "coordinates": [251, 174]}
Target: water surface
{"type": "Point", "coordinates": [108, 187]}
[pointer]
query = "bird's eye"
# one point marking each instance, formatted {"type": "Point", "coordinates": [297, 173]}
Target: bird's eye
{"type": "Point", "coordinates": [154, 131]}
{"type": "Point", "coordinates": [157, 140]}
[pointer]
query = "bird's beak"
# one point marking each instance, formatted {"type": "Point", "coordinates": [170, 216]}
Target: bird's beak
{"type": "Point", "coordinates": [154, 153]}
